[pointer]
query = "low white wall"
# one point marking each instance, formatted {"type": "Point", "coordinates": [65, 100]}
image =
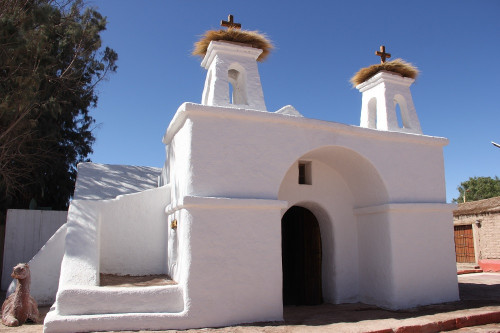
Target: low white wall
{"type": "Point", "coordinates": [106, 181]}
{"type": "Point", "coordinates": [45, 268]}
{"type": "Point", "coordinates": [25, 234]}
{"type": "Point", "coordinates": [126, 235]}
{"type": "Point", "coordinates": [133, 233]}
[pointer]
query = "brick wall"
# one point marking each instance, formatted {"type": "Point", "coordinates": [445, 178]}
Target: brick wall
{"type": "Point", "coordinates": [486, 236]}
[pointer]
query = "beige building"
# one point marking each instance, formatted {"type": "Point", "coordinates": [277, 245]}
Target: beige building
{"type": "Point", "coordinates": [477, 233]}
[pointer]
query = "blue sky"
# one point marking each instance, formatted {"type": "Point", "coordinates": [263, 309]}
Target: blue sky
{"type": "Point", "coordinates": [319, 45]}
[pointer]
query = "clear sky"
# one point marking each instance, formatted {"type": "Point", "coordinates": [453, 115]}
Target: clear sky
{"type": "Point", "coordinates": [319, 45]}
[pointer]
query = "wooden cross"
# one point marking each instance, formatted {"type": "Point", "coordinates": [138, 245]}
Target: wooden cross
{"type": "Point", "coordinates": [382, 54]}
{"type": "Point", "coordinates": [230, 23]}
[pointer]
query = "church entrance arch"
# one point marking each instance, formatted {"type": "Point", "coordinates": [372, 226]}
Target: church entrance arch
{"type": "Point", "coordinates": [301, 257]}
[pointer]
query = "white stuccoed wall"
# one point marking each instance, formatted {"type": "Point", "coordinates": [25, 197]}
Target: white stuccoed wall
{"type": "Point", "coordinates": [403, 264]}
{"type": "Point", "coordinates": [232, 175]}
{"type": "Point", "coordinates": [230, 142]}
{"type": "Point", "coordinates": [120, 236]}
{"type": "Point", "coordinates": [25, 234]}
{"type": "Point", "coordinates": [228, 259]}
{"type": "Point", "coordinates": [372, 168]}
{"type": "Point", "coordinates": [133, 230]}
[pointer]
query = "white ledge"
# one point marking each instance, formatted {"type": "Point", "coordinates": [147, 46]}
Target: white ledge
{"type": "Point", "coordinates": [224, 203]}
{"type": "Point", "coordinates": [385, 76]}
{"type": "Point", "coordinates": [405, 207]}
{"type": "Point", "coordinates": [228, 47]}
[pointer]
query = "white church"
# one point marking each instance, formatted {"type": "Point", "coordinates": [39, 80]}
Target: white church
{"type": "Point", "coordinates": [255, 209]}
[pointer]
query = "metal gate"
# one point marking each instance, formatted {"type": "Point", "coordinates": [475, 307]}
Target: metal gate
{"type": "Point", "coordinates": [464, 244]}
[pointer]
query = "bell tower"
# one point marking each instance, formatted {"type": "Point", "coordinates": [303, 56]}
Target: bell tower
{"type": "Point", "coordinates": [387, 103]}
{"type": "Point", "coordinates": [232, 76]}
{"type": "Point", "coordinates": [230, 58]}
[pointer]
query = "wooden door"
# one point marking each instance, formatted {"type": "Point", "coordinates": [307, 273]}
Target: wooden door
{"type": "Point", "coordinates": [464, 244]}
{"type": "Point", "coordinates": [301, 257]}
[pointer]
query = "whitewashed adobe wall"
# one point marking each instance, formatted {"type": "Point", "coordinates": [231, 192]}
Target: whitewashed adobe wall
{"type": "Point", "coordinates": [378, 175]}
{"type": "Point", "coordinates": [26, 232]}
{"type": "Point", "coordinates": [96, 181]}
{"type": "Point", "coordinates": [416, 162]}
{"type": "Point", "coordinates": [133, 230]}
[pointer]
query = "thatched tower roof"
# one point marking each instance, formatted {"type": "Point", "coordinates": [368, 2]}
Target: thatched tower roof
{"type": "Point", "coordinates": [398, 66]}
{"type": "Point", "coordinates": [251, 38]}
{"type": "Point", "coordinates": [485, 206]}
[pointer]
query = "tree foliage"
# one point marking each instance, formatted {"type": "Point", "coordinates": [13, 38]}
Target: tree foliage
{"type": "Point", "coordinates": [478, 188]}
{"type": "Point", "coordinates": [51, 60]}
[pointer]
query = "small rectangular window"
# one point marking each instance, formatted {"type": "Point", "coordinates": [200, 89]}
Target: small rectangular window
{"type": "Point", "coordinates": [305, 173]}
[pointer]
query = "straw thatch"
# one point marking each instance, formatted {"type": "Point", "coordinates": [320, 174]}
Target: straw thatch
{"type": "Point", "coordinates": [398, 66]}
{"type": "Point", "coordinates": [485, 206]}
{"type": "Point", "coordinates": [251, 38]}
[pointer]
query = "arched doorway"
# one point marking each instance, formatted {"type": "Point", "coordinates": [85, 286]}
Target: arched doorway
{"type": "Point", "coordinates": [301, 257]}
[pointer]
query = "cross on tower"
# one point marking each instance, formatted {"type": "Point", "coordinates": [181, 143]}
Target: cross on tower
{"type": "Point", "coordinates": [382, 54]}
{"type": "Point", "coordinates": [230, 23]}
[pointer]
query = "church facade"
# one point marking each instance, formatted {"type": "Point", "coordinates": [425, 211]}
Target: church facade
{"type": "Point", "coordinates": [256, 210]}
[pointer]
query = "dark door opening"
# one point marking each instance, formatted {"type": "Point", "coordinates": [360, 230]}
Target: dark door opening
{"type": "Point", "coordinates": [301, 257]}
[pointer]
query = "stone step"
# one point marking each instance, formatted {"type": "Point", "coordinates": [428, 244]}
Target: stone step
{"type": "Point", "coordinates": [81, 300]}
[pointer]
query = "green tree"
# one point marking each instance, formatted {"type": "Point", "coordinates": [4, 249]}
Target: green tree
{"type": "Point", "coordinates": [51, 60]}
{"type": "Point", "coordinates": [477, 188]}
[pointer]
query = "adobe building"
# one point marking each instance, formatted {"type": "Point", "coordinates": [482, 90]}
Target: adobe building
{"type": "Point", "coordinates": [256, 209]}
{"type": "Point", "coordinates": [477, 233]}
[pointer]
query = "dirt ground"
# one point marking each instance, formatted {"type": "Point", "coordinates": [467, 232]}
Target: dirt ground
{"type": "Point", "coordinates": [478, 292]}
{"type": "Point", "coordinates": [134, 281]}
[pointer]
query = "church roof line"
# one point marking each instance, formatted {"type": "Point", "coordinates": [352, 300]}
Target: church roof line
{"type": "Point", "coordinates": [187, 110]}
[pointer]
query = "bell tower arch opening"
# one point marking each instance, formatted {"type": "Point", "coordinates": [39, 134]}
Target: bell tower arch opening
{"type": "Point", "coordinates": [402, 113]}
{"type": "Point", "coordinates": [237, 85]}
{"type": "Point", "coordinates": [372, 113]}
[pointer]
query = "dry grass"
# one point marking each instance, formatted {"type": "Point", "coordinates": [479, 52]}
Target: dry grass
{"type": "Point", "coordinates": [252, 38]}
{"type": "Point", "coordinates": [485, 206]}
{"type": "Point", "coordinates": [398, 66]}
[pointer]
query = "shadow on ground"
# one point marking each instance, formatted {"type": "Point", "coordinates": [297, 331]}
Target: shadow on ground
{"type": "Point", "coordinates": [473, 295]}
